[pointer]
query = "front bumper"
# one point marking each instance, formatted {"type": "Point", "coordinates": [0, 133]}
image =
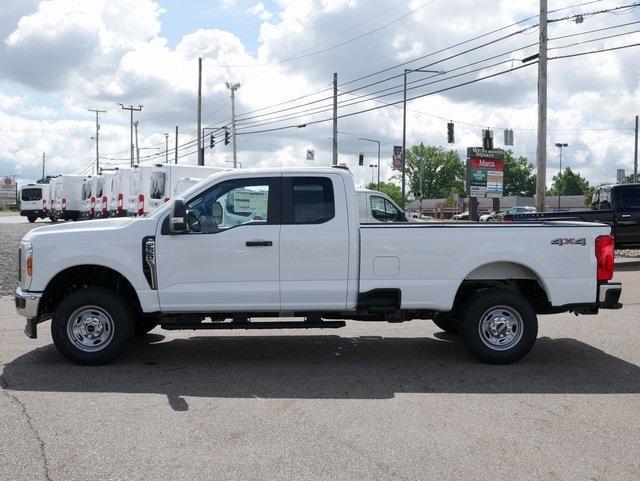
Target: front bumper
{"type": "Point", "coordinates": [27, 305]}
{"type": "Point", "coordinates": [609, 295]}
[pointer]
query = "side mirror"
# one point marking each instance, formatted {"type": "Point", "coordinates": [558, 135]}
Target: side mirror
{"type": "Point", "coordinates": [177, 222]}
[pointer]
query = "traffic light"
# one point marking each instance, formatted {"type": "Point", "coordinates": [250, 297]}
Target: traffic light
{"type": "Point", "coordinates": [451, 138]}
{"type": "Point", "coordinates": [226, 137]}
{"type": "Point", "coordinates": [211, 142]}
{"type": "Point", "coordinates": [487, 139]}
{"type": "Point", "coordinates": [361, 159]}
{"type": "Point", "coordinates": [508, 137]}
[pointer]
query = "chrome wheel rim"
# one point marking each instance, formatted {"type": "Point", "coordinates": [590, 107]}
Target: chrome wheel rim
{"type": "Point", "coordinates": [500, 328]}
{"type": "Point", "coordinates": [90, 328]}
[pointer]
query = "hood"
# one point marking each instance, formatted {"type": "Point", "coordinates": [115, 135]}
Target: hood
{"type": "Point", "coordinates": [84, 226]}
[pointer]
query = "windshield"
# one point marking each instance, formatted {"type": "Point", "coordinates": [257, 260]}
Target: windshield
{"type": "Point", "coordinates": [31, 194]}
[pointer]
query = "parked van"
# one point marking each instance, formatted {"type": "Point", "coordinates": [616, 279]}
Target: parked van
{"type": "Point", "coordinates": [118, 191]}
{"type": "Point", "coordinates": [103, 194]}
{"type": "Point", "coordinates": [151, 186]}
{"type": "Point", "coordinates": [183, 184]}
{"type": "Point", "coordinates": [66, 197]}
{"type": "Point", "coordinates": [86, 197]}
{"type": "Point", "coordinates": [33, 201]}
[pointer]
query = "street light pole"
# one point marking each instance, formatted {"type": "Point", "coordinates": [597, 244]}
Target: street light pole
{"type": "Point", "coordinates": [377, 142]}
{"type": "Point", "coordinates": [560, 147]}
{"type": "Point", "coordinates": [373, 166]}
{"type": "Point", "coordinates": [404, 125]}
{"type": "Point", "coordinates": [233, 88]}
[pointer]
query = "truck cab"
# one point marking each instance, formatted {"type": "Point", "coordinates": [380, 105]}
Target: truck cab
{"type": "Point", "coordinates": [374, 207]}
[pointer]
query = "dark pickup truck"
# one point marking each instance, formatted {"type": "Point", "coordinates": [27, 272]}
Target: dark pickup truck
{"type": "Point", "coordinates": [615, 205]}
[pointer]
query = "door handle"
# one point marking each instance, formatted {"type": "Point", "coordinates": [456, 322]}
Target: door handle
{"type": "Point", "coordinates": [625, 216]}
{"type": "Point", "coordinates": [259, 243]}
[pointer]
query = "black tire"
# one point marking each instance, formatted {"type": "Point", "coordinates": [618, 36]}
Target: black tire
{"type": "Point", "coordinates": [53, 218]}
{"type": "Point", "coordinates": [100, 301]}
{"type": "Point", "coordinates": [446, 323]}
{"type": "Point", "coordinates": [512, 308]}
{"type": "Point", "coordinates": [31, 218]}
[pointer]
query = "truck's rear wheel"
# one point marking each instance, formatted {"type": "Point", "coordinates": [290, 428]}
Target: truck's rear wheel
{"type": "Point", "coordinates": [446, 323]}
{"type": "Point", "coordinates": [498, 326]}
{"type": "Point", "coordinates": [92, 326]}
{"type": "Point", "coordinates": [31, 218]}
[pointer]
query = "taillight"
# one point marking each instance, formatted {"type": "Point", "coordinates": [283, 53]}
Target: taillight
{"type": "Point", "coordinates": [120, 200]}
{"type": "Point", "coordinates": [140, 204]}
{"type": "Point", "coordinates": [93, 204]}
{"type": "Point", "coordinates": [104, 204]}
{"type": "Point", "coordinates": [604, 255]}
{"type": "Point", "coordinates": [64, 204]}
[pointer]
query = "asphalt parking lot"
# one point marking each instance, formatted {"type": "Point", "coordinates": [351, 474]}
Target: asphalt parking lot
{"type": "Point", "coordinates": [370, 401]}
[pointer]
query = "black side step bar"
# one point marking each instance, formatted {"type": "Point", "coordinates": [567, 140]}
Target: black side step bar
{"type": "Point", "coordinates": [257, 325]}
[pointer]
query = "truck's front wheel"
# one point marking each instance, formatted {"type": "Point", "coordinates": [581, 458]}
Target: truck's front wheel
{"type": "Point", "coordinates": [92, 326]}
{"type": "Point", "coordinates": [498, 326]}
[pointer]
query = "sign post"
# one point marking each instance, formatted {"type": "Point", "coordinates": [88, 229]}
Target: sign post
{"type": "Point", "coordinates": [485, 177]}
{"type": "Point", "coordinates": [8, 193]}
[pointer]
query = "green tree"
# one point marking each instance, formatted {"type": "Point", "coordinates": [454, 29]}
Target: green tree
{"type": "Point", "coordinates": [569, 182]}
{"type": "Point", "coordinates": [519, 175]}
{"type": "Point", "coordinates": [392, 190]}
{"type": "Point", "coordinates": [443, 172]}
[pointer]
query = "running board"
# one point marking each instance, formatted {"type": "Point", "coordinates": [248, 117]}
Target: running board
{"type": "Point", "coordinates": [257, 325]}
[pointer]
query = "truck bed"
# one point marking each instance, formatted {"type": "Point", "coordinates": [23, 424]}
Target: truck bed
{"type": "Point", "coordinates": [429, 261]}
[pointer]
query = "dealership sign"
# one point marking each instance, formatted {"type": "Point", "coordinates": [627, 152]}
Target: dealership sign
{"type": "Point", "coordinates": [485, 172]}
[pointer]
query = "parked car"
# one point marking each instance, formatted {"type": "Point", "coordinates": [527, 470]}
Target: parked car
{"type": "Point", "coordinates": [33, 201]}
{"type": "Point", "coordinates": [262, 243]}
{"type": "Point", "coordinates": [618, 206]}
{"type": "Point", "coordinates": [488, 217]}
{"type": "Point", "coordinates": [461, 216]}
{"type": "Point", "coordinates": [66, 197]}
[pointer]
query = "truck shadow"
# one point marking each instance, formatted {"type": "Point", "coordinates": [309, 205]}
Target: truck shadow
{"type": "Point", "coordinates": [323, 367]}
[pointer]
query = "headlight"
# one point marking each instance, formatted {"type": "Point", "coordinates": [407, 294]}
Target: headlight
{"type": "Point", "coordinates": [27, 253]}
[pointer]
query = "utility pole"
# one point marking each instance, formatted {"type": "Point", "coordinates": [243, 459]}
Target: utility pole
{"type": "Point", "coordinates": [176, 152]}
{"type": "Point", "coordinates": [43, 156]}
{"type": "Point", "coordinates": [131, 108]}
{"type": "Point", "coordinates": [635, 156]}
{"type": "Point", "coordinates": [166, 148]}
{"type": "Point", "coordinates": [335, 119]}
{"type": "Point", "coordinates": [98, 112]}
{"type": "Point", "coordinates": [541, 160]}
{"type": "Point", "coordinates": [233, 88]}
{"type": "Point", "coordinates": [200, 153]}
{"type": "Point", "coordinates": [135, 124]}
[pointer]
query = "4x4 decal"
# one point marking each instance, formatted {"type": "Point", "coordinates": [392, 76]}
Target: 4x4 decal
{"type": "Point", "coordinates": [569, 242]}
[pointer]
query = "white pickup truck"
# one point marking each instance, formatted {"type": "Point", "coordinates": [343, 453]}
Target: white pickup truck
{"type": "Point", "coordinates": [248, 245]}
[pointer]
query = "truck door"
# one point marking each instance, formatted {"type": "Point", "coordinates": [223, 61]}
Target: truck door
{"type": "Point", "coordinates": [627, 212]}
{"type": "Point", "coordinates": [228, 260]}
{"type": "Point", "coordinates": [314, 243]}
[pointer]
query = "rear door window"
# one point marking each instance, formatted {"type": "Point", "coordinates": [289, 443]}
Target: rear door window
{"type": "Point", "coordinates": [629, 197]}
{"type": "Point", "coordinates": [31, 194]}
{"type": "Point", "coordinates": [312, 200]}
{"type": "Point", "coordinates": [158, 181]}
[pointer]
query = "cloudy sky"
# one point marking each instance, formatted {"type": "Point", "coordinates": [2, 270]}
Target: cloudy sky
{"type": "Point", "coordinates": [59, 58]}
